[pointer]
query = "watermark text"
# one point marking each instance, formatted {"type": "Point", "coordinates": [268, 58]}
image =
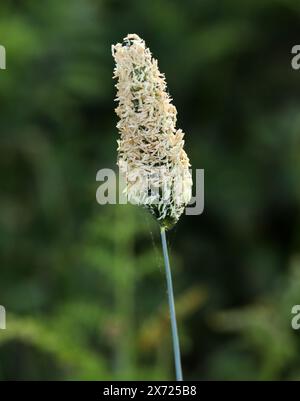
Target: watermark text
{"type": "Point", "coordinates": [2, 318]}
{"type": "Point", "coordinates": [2, 58]}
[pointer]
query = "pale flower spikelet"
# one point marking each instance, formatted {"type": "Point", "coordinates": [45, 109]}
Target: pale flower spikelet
{"type": "Point", "coordinates": [151, 157]}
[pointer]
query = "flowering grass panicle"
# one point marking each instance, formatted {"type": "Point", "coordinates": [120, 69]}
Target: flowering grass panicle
{"type": "Point", "coordinates": [150, 149]}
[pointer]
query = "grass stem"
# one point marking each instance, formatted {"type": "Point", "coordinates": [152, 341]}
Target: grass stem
{"type": "Point", "coordinates": [176, 347]}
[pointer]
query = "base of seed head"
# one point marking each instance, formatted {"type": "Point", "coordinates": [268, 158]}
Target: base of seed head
{"type": "Point", "coordinates": [167, 223]}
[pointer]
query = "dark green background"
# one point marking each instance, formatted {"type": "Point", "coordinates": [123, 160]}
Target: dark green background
{"type": "Point", "coordinates": [83, 284]}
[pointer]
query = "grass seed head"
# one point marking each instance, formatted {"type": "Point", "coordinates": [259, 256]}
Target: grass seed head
{"type": "Point", "coordinates": [150, 149]}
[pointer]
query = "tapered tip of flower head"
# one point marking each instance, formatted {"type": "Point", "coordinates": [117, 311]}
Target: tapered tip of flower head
{"type": "Point", "coordinates": [130, 39]}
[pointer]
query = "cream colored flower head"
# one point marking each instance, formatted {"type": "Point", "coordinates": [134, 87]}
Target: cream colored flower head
{"type": "Point", "coordinates": [151, 157]}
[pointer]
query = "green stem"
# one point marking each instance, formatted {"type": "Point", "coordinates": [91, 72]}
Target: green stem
{"type": "Point", "coordinates": [176, 347]}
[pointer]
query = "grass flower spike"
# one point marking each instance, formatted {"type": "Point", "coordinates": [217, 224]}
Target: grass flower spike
{"type": "Point", "coordinates": [151, 155]}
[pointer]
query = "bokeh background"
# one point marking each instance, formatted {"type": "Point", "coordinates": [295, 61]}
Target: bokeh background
{"type": "Point", "coordinates": [83, 284]}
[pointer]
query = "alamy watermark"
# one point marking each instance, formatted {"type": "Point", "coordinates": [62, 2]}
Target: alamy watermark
{"type": "Point", "coordinates": [295, 322]}
{"type": "Point", "coordinates": [2, 58]}
{"type": "Point", "coordinates": [113, 189]}
{"type": "Point", "coordinates": [295, 62]}
{"type": "Point", "coordinates": [2, 318]}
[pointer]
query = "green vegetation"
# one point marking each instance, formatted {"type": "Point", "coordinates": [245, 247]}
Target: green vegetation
{"type": "Point", "coordinates": [83, 284]}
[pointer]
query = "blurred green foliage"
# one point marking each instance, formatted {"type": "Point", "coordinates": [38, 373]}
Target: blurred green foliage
{"type": "Point", "coordinates": [83, 284]}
